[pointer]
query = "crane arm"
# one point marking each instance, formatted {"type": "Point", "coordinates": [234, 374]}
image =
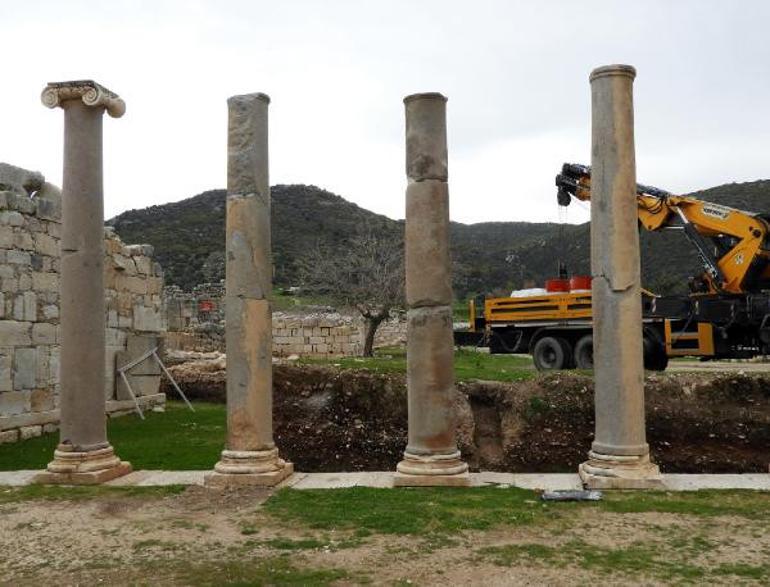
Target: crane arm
{"type": "Point", "coordinates": [729, 242]}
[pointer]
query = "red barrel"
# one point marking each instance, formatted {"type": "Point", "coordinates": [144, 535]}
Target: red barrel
{"type": "Point", "coordinates": [580, 282]}
{"type": "Point", "coordinates": [556, 285]}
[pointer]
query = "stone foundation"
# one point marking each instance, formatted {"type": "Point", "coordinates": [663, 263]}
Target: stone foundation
{"type": "Point", "coordinates": [30, 232]}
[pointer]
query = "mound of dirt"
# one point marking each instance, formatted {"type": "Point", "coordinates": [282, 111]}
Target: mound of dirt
{"type": "Point", "coordinates": [329, 419]}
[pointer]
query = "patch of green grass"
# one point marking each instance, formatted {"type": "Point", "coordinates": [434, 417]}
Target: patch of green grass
{"type": "Point", "coordinates": [437, 512]}
{"type": "Point", "coordinates": [468, 364]}
{"type": "Point", "coordinates": [82, 493]}
{"type": "Point", "coordinates": [269, 571]}
{"type": "Point", "coordinates": [664, 560]}
{"type": "Point", "coordinates": [758, 572]}
{"type": "Point", "coordinates": [177, 439]}
{"type": "Point", "coordinates": [744, 503]}
{"type": "Point", "coordinates": [425, 511]}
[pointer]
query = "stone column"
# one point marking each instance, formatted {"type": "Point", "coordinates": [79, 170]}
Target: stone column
{"type": "Point", "coordinates": [619, 457]}
{"type": "Point", "coordinates": [84, 456]}
{"type": "Point", "coordinates": [431, 456]}
{"type": "Point", "coordinates": [251, 457]}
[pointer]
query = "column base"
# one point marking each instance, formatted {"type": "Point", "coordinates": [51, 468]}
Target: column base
{"type": "Point", "coordinates": [249, 469]}
{"type": "Point", "coordinates": [441, 470]}
{"type": "Point", "coordinates": [70, 467]}
{"type": "Point", "coordinates": [602, 471]}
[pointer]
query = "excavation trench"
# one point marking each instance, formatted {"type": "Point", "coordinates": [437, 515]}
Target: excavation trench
{"type": "Point", "coordinates": [328, 419]}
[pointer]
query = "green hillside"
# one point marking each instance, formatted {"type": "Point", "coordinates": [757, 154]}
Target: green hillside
{"type": "Point", "coordinates": [188, 237]}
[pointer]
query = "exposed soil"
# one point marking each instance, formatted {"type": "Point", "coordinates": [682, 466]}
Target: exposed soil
{"type": "Point", "coordinates": [202, 536]}
{"type": "Point", "coordinates": [328, 419]}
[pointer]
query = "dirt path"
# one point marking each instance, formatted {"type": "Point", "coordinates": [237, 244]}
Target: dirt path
{"type": "Point", "coordinates": [202, 537]}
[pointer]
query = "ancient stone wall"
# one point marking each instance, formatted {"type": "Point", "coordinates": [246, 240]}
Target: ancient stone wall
{"type": "Point", "coordinates": [195, 322]}
{"type": "Point", "coordinates": [30, 230]}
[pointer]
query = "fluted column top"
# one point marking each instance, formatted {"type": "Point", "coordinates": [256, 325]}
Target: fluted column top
{"type": "Point", "coordinates": [91, 93]}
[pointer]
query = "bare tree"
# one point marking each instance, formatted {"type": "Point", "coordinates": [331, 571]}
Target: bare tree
{"type": "Point", "coordinates": [367, 275]}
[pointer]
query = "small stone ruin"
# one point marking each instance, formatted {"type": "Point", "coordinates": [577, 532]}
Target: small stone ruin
{"type": "Point", "coordinates": [30, 266]}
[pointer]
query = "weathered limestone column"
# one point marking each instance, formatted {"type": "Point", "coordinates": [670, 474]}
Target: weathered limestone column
{"type": "Point", "coordinates": [84, 456]}
{"type": "Point", "coordinates": [431, 456]}
{"type": "Point", "coordinates": [619, 457]}
{"type": "Point", "coordinates": [251, 457]}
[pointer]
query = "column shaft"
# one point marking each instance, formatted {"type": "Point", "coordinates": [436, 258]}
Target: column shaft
{"type": "Point", "coordinates": [84, 456]}
{"type": "Point", "coordinates": [431, 456]}
{"type": "Point", "coordinates": [250, 457]}
{"type": "Point", "coordinates": [82, 400]}
{"type": "Point", "coordinates": [620, 454]}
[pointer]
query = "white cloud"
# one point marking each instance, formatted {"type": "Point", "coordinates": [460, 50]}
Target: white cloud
{"type": "Point", "coordinates": [516, 74]}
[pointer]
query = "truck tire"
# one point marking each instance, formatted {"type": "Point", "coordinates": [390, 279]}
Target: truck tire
{"type": "Point", "coordinates": [584, 352]}
{"type": "Point", "coordinates": [655, 357]}
{"type": "Point", "coordinates": [551, 353]}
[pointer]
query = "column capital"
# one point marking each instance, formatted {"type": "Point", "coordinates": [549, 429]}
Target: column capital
{"type": "Point", "coordinates": [91, 93]}
{"type": "Point", "coordinates": [616, 69]}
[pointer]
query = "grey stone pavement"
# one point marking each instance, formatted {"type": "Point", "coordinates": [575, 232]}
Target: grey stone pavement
{"type": "Point", "coordinates": [542, 481]}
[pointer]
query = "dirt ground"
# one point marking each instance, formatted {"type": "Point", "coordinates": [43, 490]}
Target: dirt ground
{"type": "Point", "coordinates": [329, 419]}
{"type": "Point", "coordinates": [205, 537]}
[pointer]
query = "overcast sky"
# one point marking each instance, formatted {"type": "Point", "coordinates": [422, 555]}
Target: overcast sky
{"type": "Point", "coordinates": [516, 74]}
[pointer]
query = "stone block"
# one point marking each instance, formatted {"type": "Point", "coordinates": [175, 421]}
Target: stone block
{"type": "Point", "coordinates": [426, 142]}
{"type": "Point", "coordinates": [46, 245]}
{"type": "Point", "coordinates": [430, 377]}
{"type": "Point", "coordinates": [6, 363]}
{"type": "Point", "coordinates": [143, 265]}
{"type": "Point", "coordinates": [115, 338]}
{"type": "Point", "coordinates": [135, 284]}
{"type": "Point", "coordinates": [25, 307]}
{"type": "Point", "coordinates": [24, 368]}
{"type": "Point", "coordinates": [13, 403]}
{"type": "Point", "coordinates": [53, 229]}
{"type": "Point", "coordinates": [147, 319]}
{"type": "Point", "coordinates": [45, 281]}
{"type": "Point", "coordinates": [6, 237]}
{"type": "Point", "coordinates": [25, 282]}
{"type": "Point", "coordinates": [137, 346]}
{"type": "Point", "coordinates": [22, 203]}
{"type": "Point", "coordinates": [11, 218]}
{"type": "Point", "coordinates": [124, 264]}
{"type": "Point", "coordinates": [48, 209]}
{"type": "Point", "coordinates": [14, 333]}
{"type": "Point", "coordinates": [41, 400]}
{"type": "Point", "coordinates": [428, 277]}
{"type": "Point", "coordinates": [141, 385]}
{"type": "Point", "coordinates": [49, 428]}
{"type": "Point", "coordinates": [50, 311]}
{"type": "Point", "coordinates": [8, 436]}
{"type": "Point", "coordinates": [154, 285]}
{"type": "Point", "coordinates": [53, 365]}
{"type": "Point", "coordinates": [44, 333]}
{"type": "Point", "coordinates": [24, 241]}
{"type": "Point", "coordinates": [14, 257]}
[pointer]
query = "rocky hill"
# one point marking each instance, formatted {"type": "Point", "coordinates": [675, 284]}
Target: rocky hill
{"type": "Point", "coordinates": [488, 257]}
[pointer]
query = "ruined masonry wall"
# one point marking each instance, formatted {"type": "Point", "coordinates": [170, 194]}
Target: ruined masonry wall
{"type": "Point", "coordinates": [30, 229]}
{"type": "Point", "coordinates": [196, 322]}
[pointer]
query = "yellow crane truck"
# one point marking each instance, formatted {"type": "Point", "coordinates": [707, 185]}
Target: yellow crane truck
{"type": "Point", "coordinates": [726, 315]}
